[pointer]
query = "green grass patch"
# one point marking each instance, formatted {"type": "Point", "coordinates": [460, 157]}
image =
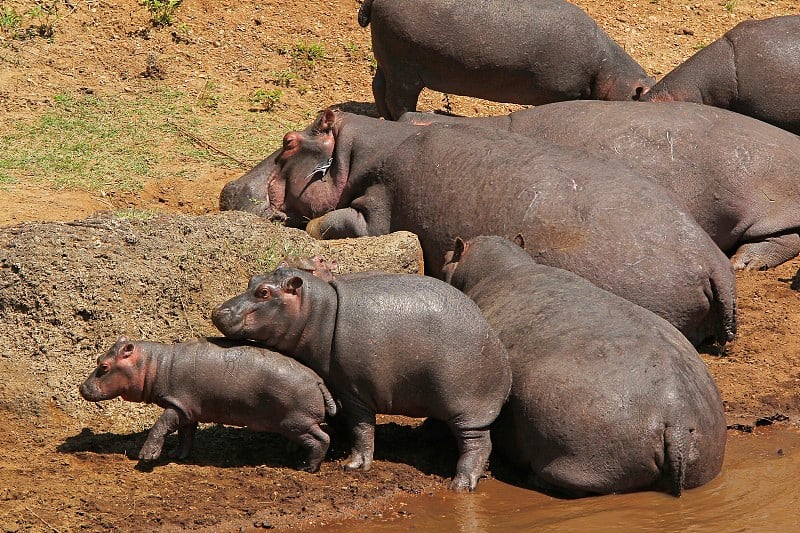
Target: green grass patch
{"type": "Point", "coordinates": [92, 143]}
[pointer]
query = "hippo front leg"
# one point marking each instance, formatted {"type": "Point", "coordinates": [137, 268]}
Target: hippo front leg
{"type": "Point", "coordinates": [768, 253]}
{"type": "Point", "coordinates": [169, 422]}
{"type": "Point", "coordinates": [339, 224]}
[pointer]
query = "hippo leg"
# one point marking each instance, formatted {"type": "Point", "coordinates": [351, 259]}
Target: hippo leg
{"type": "Point", "coordinates": [316, 441]}
{"type": "Point", "coordinates": [402, 93]}
{"type": "Point", "coordinates": [379, 93]}
{"type": "Point", "coordinates": [185, 441]}
{"type": "Point", "coordinates": [169, 422]}
{"type": "Point", "coordinates": [474, 446]}
{"type": "Point", "coordinates": [768, 253]}
{"type": "Point", "coordinates": [361, 424]}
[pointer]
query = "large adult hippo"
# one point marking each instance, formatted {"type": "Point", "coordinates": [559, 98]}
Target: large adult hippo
{"type": "Point", "coordinates": [521, 51]}
{"type": "Point", "coordinates": [738, 177]}
{"type": "Point", "coordinates": [606, 396]}
{"type": "Point", "coordinates": [215, 380]}
{"type": "Point", "coordinates": [753, 69]}
{"type": "Point", "coordinates": [392, 344]}
{"type": "Point", "coordinates": [596, 218]}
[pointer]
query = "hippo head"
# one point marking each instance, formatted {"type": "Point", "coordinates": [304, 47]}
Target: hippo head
{"type": "Point", "coordinates": [471, 261]}
{"type": "Point", "coordinates": [119, 372]}
{"type": "Point", "coordinates": [616, 88]}
{"type": "Point", "coordinates": [270, 311]}
{"type": "Point", "coordinates": [301, 183]}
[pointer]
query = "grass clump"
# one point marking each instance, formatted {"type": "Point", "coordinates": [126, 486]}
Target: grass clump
{"type": "Point", "coordinates": [265, 99]}
{"type": "Point", "coordinates": [162, 12]}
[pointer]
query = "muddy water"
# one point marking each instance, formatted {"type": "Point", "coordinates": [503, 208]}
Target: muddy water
{"type": "Point", "coordinates": [757, 490]}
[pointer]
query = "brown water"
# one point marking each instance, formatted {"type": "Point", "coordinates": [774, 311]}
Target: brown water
{"type": "Point", "coordinates": [756, 491]}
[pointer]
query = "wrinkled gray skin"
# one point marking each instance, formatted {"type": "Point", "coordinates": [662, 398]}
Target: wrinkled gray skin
{"type": "Point", "coordinates": [215, 380]}
{"type": "Point", "coordinates": [520, 51]}
{"type": "Point", "coordinates": [391, 344]}
{"type": "Point", "coordinates": [738, 177]}
{"type": "Point", "coordinates": [753, 69]}
{"type": "Point", "coordinates": [606, 397]}
{"type": "Point", "coordinates": [596, 218]}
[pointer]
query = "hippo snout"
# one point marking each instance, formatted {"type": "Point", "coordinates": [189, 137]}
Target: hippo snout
{"type": "Point", "coordinates": [226, 321]}
{"type": "Point", "coordinates": [88, 391]}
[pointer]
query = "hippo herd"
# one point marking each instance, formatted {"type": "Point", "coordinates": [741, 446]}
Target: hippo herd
{"type": "Point", "coordinates": [578, 253]}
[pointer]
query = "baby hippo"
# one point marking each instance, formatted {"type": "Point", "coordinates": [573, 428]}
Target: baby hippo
{"type": "Point", "coordinates": [607, 396]}
{"type": "Point", "coordinates": [215, 380]}
{"type": "Point", "coordinates": [389, 344]}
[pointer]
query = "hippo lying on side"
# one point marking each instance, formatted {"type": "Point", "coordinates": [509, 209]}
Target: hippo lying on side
{"type": "Point", "coordinates": [526, 52]}
{"type": "Point", "coordinates": [753, 69]}
{"type": "Point", "coordinates": [606, 396]}
{"type": "Point", "coordinates": [215, 380]}
{"type": "Point", "coordinates": [738, 177]}
{"type": "Point", "coordinates": [596, 218]}
{"type": "Point", "coordinates": [249, 192]}
{"type": "Point", "coordinates": [392, 344]}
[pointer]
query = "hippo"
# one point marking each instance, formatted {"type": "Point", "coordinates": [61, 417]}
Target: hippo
{"type": "Point", "coordinates": [524, 52]}
{"type": "Point", "coordinates": [215, 380]}
{"type": "Point", "coordinates": [386, 344]}
{"type": "Point", "coordinates": [738, 177]}
{"type": "Point", "coordinates": [753, 69]}
{"type": "Point", "coordinates": [596, 218]}
{"type": "Point", "coordinates": [606, 396]}
{"type": "Point", "coordinates": [249, 192]}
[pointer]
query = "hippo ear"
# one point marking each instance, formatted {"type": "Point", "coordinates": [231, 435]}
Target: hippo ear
{"type": "Point", "coordinates": [458, 250]}
{"type": "Point", "coordinates": [122, 338]}
{"type": "Point", "coordinates": [326, 120]}
{"type": "Point", "coordinates": [127, 350]}
{"type": "Point", "coordinates": [292, 285]}
{"type": "Point", "coordinates": [519, 240]}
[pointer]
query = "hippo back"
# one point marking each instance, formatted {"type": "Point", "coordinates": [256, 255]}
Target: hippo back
{"type": "Point", "coordinates": [598, 219]}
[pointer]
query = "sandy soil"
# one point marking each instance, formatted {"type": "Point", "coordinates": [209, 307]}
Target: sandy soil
{"type": "Point", "coordinates": [62, 472]}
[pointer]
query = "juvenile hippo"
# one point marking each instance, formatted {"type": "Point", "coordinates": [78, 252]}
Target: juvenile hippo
{"type": "Point", "coordinates": [215, 380]}
{"type": "Point", "coordinates": [738, 177]}
{"type": "Point", "coordinates": [596, 218]}
{"type": "Point", "coordinates": [392, 344]}
{"type": "Point", "coordinates": [753, 69]}
{"type": "Point", "coordinates": [525, 52]}
{"type": "Point", "coordinates": [607, 397]}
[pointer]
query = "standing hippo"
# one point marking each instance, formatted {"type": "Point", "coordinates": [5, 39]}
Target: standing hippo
{"type": "Point", "coordinates": [753, 69]}
{"type": "Point", "coordinates": [521, 51]}
{"type": "Point", "coordinates": [606, 397]}
{"type": "Point", "coordinates": [596, 218]}
{"type": "Point", "coordinates": [392, 344]}
{"type": "Point", "coordinates": [738, 177]}
{"type": "Point", "coordinates": [215, 380]}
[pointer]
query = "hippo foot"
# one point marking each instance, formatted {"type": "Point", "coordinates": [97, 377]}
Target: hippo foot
{"type": "Point", "coordinates": [766, 254]}
{"type": "Point", "coordinates": [463, 483]}
{"type": "Point", "coordinates": [314, 228]}
{"type": "Point", "coordinates": [358, 461]}
{"type": "Point", "coordinates": [149, 453]}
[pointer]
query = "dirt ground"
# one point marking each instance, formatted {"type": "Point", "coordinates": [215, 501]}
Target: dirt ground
{"type": "Point", "coordinates": [63, 467]}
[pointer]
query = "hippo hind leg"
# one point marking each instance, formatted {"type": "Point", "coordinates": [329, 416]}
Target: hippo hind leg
{"type": "Point", "coordinates": [402, 91]}
{"type": "Point", "coordinates": [474, 447]}
{"type": "Point", "coordinates": [360, 422]}
{"type": "Point", "coordinates": [316, 441]}
{"type": "Point", "coordinates": [185, 441]}
{"type": "Point", "coordinates": [768, 253]}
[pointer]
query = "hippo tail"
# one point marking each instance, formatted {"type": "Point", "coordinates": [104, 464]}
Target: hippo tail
{"type": "Point", "coordinates": [365, 13]}
{"type": "Point", "coordinates": [330, 403]}
{"type": "Point", "coordinates": [675, 456]}
{"type": "Point", "coordinates": [723, 289]}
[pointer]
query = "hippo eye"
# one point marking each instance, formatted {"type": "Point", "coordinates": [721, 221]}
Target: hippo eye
{"type": "Point", "coordinates": [263, 292]}
{"type": "Point", "coordinates": [103, 368]}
